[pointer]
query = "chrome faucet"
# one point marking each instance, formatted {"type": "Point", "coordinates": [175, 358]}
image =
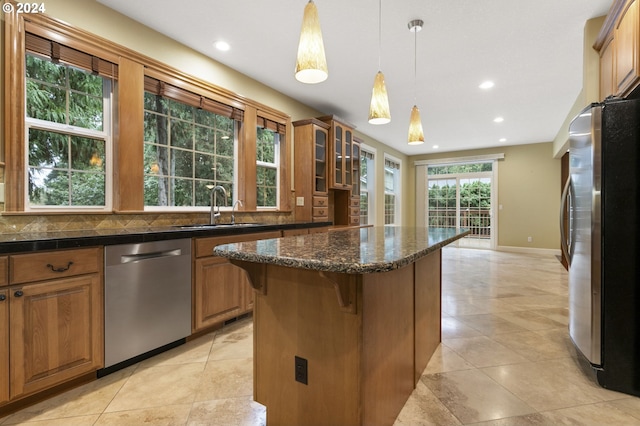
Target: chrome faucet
{"type": "Point", "coordinates": [216, 214]}
{"type": "Point", "coordinates": [233, 217]}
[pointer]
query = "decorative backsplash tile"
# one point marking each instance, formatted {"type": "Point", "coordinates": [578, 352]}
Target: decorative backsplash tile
{"type": "Point", "coordinates": [52, 223]}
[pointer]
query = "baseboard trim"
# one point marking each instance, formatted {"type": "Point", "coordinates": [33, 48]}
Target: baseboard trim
{"type": "Point", "coordinates": [529, 250]}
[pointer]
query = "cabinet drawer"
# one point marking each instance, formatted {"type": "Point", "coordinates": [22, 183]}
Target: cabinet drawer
{"type": "Point", "coordinates": [320, 201]}
{"type": "Point", "coordinates": [354, 211]}
{"type": "Point", "coordinates": [204, 246]}
{"type": "Point", "coordinates": [320, 219]}
{"type": "Point", "coordinates": [53, 264]}
{"type": "Point", "coordinates": [320, 212]}
{"type": "Point", "coordinates": [354, 220]}
{"type": "Point", "coordinates": [355, 202]}
{"type": "Point", "coordinates": [4, 262]}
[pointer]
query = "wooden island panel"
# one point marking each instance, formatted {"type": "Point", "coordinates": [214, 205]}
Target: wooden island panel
{"type": "Point", "coordinates": [361, 306]}
{"type": "Point", "coordinates": [360, 365]}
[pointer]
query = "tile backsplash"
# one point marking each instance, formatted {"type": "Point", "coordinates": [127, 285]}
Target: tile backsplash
{"type": "Point", "coordinates": [10, 223]}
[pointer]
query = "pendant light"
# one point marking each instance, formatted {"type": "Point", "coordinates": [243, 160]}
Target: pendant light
{"type": "Point", "coordinates": [416, 135]}
{"type": "Point", "coordinates": [379, 109]}
{"type": "Point", "coordinates": [311, 63]}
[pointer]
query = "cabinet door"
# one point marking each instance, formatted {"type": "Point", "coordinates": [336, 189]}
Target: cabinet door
{"type": "Point", "coordinates": [626, 50]}
{"type": "Point", "coordinates": [606, 70]}
{"type": "Point", "coordinates": [4, 345]}
{"type": "Point", "coordinates": [320, 163]}
{"type": "Point", "coordinates": [355, 163]}
{"type": "Point", "coordinates": [347, 159]}
{"type": "Point", "coordinates": [338, 157]}
{"type": "Point", "coordinates": [219, 291]}
{"type": "Point", "coordinates": [56, 332]}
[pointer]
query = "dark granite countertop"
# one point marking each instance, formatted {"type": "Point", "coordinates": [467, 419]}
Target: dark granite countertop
{"type": "Point", "coordinates": [354, 251]}
{"type": "Point", "coordinates": [36, 241]}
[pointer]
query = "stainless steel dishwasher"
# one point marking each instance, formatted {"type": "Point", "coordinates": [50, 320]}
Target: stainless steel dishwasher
{"type": "Point", "coordinates": [147, 299]}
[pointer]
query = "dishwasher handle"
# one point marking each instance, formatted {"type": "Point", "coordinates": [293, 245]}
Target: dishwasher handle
{"type": "Point", "coordinates": [129, 258]}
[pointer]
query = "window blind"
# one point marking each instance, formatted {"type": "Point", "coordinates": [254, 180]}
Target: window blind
{"type": "Point", "coordinates": [265, 123]}
{"type": "Point", "coordinates": [391, 164]}
{"type": "Point", "coordinates": [366, 154]}
{"type": "Point", "coordinates": [60, 53]}
{"type": "Point", "coordinates": [166, 90]}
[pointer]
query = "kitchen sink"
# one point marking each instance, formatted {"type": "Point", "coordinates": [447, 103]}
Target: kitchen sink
{"type": "Point", "coordinates": [218, 225]}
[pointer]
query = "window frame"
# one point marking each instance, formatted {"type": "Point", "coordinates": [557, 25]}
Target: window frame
{"type": "Point", "coordinates": [371, 183]}
{"type": "Point", "coordinates": [275, 165]}
{"type": "Point", "coordinates": [127, 175]}
{"type": "Point", "coordinates": [69, 130]}
{"type": "Point", "coordinates": [397, 190]}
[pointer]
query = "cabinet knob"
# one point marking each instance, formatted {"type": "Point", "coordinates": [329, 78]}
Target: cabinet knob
{"type": "Point", "coordinates": [18, 293]}
{"type": "Point", "coordinates": [3, 297]}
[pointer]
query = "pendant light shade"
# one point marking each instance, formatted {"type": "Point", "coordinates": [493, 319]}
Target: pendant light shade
{"type": "Point", "coordinates": [379, 112]}
{"type": "Point", "coordinates": [379, 109]}
{"type": "Point", "coordinates": [416, 135]}
{"type": "Point", "coordinates": [311, 63]}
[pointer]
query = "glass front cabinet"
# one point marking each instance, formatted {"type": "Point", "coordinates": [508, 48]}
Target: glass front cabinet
{"type": "Point", "coordinates": [311, 143]}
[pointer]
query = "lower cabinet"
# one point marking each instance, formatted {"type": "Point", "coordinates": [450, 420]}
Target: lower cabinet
{"type": "Point", "coordinates": [221, 290]}
{"type": "Point", "coordinates": [4, 345]}
{"type": "Point", "coordinates": [51, 329]}
{"type": "Point", "coordinates": [55, 332]}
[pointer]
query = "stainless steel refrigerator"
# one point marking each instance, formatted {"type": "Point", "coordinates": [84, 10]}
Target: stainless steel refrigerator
{"type": "Point", "coordinates": [600, 239]}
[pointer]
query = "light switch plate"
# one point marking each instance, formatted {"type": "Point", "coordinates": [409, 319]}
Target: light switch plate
{"type": "Point", "coordinates": [299, 201]}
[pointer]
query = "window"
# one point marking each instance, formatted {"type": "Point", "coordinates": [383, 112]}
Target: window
{"type": "Point", "coordinates": [391, 191]}
{"type": "Point", "coordinates": [267, 159]}
{"type": "Point", "coordinates": [68, 128]}
{"type": "Point", "coordinates": [367, 187]}
{"type": "Point", "coordinates": [187, 149]}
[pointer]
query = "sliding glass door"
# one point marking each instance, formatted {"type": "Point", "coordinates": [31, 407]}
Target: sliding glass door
{"type": "Point", "coordinates": [460, 196]}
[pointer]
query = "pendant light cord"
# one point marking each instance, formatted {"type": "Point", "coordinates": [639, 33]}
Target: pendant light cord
{"type": "Point", "coordinates": [379, 35]}
{"type": "Point", "coordinates": [415, 64]}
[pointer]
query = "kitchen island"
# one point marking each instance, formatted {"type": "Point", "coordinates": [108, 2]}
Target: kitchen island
{"type": "Point", "coordinates": [344, 322]}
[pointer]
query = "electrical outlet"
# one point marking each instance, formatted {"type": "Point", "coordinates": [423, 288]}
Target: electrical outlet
{"type": "Point", "coordinates": [529, 239]}
{"type": "Point", "coordinates": [299, 201]}
{"type": "Point", "coordinates": [301, 370]}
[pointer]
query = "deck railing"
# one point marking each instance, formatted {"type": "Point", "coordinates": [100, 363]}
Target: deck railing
{"type": "Point", "coordinates": [476, 220]}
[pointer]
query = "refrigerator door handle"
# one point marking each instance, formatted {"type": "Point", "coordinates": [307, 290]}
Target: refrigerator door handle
{"type": "Point", "coordinates": [565, 201]}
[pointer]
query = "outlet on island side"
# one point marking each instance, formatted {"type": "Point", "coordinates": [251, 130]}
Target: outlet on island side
{"type": "Point", "coordinates": [529, 239]}
{"type": "Point", "coordinates": [301, 370]}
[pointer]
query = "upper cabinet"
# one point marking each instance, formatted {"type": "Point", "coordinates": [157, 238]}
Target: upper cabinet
{"type": "Point", "coordinates": [341, 147]}
{"type": "Point", "coordinates": [311, 170]}
{"type": "Point", "coordinates": [618, 46]}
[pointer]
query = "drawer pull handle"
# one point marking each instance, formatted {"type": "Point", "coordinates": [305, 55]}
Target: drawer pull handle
{"type": "Point", "coordinates": [62, 269]}
{"type": "Point", "coordinates": [18, 293]}
{"type": "Point", "coordinates": [3, 297]}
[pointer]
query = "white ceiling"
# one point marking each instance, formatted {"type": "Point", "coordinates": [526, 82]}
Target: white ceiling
{"type": "Point", "coordinates": [531, 49]}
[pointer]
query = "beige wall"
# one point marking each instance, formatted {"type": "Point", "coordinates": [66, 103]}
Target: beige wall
{"type": "Point", "coordinates": [590, 84]}
{"type": "Point", "coordinates": [528, 190]}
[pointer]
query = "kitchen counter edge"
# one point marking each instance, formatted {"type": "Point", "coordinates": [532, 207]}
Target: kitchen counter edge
{"type": "Point", "coordinates": [39, 241]}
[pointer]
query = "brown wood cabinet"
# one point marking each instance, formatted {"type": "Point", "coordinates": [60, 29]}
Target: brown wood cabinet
{"type": "Point", "coordinates": [619, 47]}
{"type": "Point", "coordinates": [54, 305]}
{"type": "Point", "coordinates": [221, 291]}
{"type": "Point", "coordinates": [627, 69]}
{"type": "Point", "coordinates": [4, 345]}
{"type": "Point", "coordinates": [340, 148]}
{"type": "Point", "coordinates": [311, 180]}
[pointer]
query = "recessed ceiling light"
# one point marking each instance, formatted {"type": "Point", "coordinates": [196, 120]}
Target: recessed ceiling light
{"type": "Point", "coordinates": [436, 147]}
{"type": "Point", "coordinates": [487, 85]}
{"type": "Point", "coordinates": [502, 140]}
{"type": "Point", "coordinates": [222, 45]}
{"type": "Point", "coordinates": [498, 120]}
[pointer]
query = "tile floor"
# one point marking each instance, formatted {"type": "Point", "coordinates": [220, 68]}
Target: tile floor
{"type": "Point", "coordinates": [505, 359]}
